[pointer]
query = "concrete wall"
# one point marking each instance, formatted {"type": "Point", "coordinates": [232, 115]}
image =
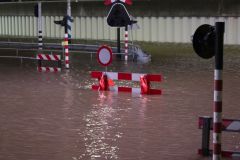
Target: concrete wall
{"type": "Point", "coordinates": [152, 29]}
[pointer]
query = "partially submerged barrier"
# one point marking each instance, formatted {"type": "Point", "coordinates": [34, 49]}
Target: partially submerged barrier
{"type": "Point", "coordinates": [48, 57]}
{"type": "Point", "coordinates": [228, 125]}
{"type": "Point", "coordinates": [144, 79]}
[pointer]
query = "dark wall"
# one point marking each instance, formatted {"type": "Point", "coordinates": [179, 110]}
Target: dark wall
{"type": "Point", "coordinates": [143, 8]}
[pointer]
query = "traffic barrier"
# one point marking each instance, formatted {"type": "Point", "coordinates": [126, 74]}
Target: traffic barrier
{"type": "Point", "coordinates": [206, 124]}
{"type": "Point", "coordinates": [48, 57]}
{"type": "Point", "coordinates": [104, 78]}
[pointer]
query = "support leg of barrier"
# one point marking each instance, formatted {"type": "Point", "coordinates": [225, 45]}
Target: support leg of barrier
{"type": "Point", "coordinates": [39, 63]}
{"type": "Point", "coordinates": [206, 136]}
{"type": "Point", "coordinates": [60, 64]}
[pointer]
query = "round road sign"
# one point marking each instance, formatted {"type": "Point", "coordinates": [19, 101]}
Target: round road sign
{"type": "Point", "coordinates": [104, 55]}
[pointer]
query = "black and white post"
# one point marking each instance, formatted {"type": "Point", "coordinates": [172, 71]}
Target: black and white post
{"type": "Point", "coordinates": [126, 43]}
{"type": "Point", "coordinates": [69, 25]}
{"type": "Point", "coordinates": [40, 35]}
{"type": "Point", "coordinates": [67, 36]}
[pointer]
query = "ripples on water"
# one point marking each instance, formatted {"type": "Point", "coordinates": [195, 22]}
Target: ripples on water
{"type": "Point", "coordinates": [58, 117]}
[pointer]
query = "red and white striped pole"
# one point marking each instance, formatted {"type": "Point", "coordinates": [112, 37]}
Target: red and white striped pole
{"type": "Point", "coordinates": [126, 43]}
{"type": "Point", "coordinates": [218, 88]}
{"type": "Point", "coordinates": [66, 50]}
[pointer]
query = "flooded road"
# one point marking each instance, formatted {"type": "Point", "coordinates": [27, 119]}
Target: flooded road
{"type": "Point", "coordinates": [57, 117]}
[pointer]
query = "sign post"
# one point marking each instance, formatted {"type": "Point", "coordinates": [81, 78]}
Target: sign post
{"type": "Point", "coordinates": [218, 85]}
{"type": "Point", "coordinates": [118, 16]}
{"type": "Point", "coordinates": [118, 42]}
{"type": "Point", "coordinates": [104, 57]}
{"type": "Point", "coordinates": [208, 42]}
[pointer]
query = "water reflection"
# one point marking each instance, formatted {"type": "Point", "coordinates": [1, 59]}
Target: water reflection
{"type": "Point", "coordinates": [102, 129]}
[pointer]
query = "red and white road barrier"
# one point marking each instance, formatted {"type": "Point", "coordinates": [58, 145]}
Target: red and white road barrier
{"type": "Point", "coordinates": [137, 77]}
{"type": "Point", "coordinates": [49, 69]}
{"type": "Point", "coordinates": [126, 43]}
{"type": "Point", "coordinates": [228, 125]}
{"type": "Point", "coordinates": [48, 57]}
{"type": "Point", "coordinates": [66, 51]}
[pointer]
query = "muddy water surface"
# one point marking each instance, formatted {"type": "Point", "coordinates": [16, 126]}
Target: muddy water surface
{"type": "Point", "coordinates": [57, 117]}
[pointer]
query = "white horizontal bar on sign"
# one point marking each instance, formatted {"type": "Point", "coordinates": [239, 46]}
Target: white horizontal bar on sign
{"type": "Point", "coordinates": [112, 75]}
{"type": "Point", "coordinates": [136, 76]}
{"type": "Point", "coordinates": [124, 76]}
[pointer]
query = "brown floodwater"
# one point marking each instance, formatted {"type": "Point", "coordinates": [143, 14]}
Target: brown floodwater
{"type": "Point", "coordinates": [48, 116]}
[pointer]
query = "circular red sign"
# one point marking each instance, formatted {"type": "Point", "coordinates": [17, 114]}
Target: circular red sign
{"type": "Point", "coordinates": [104, 55]}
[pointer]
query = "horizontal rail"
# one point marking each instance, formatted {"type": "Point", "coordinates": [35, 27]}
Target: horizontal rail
{"type": "Point", "coordinates": [53, 1]}
{"type": "Point", "coordinates": [229, 125]}
{"type": "Point", "coordinates": [126, 76]}
{"type": "Point", "coordinates": [18, 57]}
{"type": "Point", "coordinates": [228, 154]}
{"type": "Point", "coordinates": [55, 47]}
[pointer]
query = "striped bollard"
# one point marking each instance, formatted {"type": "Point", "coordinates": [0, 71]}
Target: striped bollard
{"type": "Point", "coordinates": [218, 88]}
{"type": "Point", "coordinates": [126, 43]}
{"type": "Point", "coordinates": [40, 37]}
{"type": "Point", "coordinates": [40, 40]}
{"type": "Point", "coordinates": [66, 51]}
{"type": "Point", "coordinates": [69, 27]}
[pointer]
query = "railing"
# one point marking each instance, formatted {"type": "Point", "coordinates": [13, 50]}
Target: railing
{"type": "Point", "coordinates": [206, 124]}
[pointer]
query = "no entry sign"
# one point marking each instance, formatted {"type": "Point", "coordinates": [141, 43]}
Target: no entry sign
{"type": "Point", "coordinates": [104, 55]}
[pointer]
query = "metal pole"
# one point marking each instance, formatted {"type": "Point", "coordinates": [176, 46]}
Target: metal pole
{"type": "Point", "coordinates": [118, 42]}
{"type": "Point", "coordinates": [66, 51]}
{"type": "Point", "coordinates": [40, 37]}
{"type": "Point", "coordinates": [206, 135]}
{"type": "Point", "coordinates": [69, 26]}
{"type": "Point", "coordinates": [126, 43]}
{"type": "Point", "coordinates": [67, 36]}
{"type": "Point", "coordinates": [218, 85]}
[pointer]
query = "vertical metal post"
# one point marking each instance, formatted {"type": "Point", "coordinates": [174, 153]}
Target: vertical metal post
{"type": "Point", "coordinates": [206, 135]}
{"type": "Point", "coordinates": [118, 42]}
{"type": "Point", "coordinates": [218, 83]}
{"type": "Point", "coordinates": [60, 63]}
{"type": "Point", "coordinates": [66, 51]}
{"type": "Point", "coordinates": [67, 36]}
{"type": "Point", "coordinates": [69, 26]}
{"type": "Point", "coordinates": [40, 37]}
{"type": "Point", "coordinates": [126, 43]}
